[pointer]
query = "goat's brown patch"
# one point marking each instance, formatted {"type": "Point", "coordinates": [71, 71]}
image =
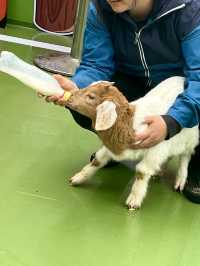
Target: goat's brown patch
{"type": "Point", "coordinates": [139, 176]}
{"type": "Point", "coordinates": [95, 162]}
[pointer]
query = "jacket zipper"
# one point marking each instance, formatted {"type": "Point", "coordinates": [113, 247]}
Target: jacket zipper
{"type": "Point", "coordinates": [138, 42]}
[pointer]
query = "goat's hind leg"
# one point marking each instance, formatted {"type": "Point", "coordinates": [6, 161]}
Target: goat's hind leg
{"type": "Point", "coordinates": [102, 157]}
{"type": "Point", "coordinates": [148, 167]}
{"type": "Point", "coordinates": [182, 172]}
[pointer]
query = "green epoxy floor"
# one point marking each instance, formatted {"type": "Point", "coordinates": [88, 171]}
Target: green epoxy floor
{"type": "Point", "coordinates": [46, 222]}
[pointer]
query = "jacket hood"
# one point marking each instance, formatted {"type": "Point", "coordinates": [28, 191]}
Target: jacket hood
{"type": "Point", "coordinates": [160, 6]}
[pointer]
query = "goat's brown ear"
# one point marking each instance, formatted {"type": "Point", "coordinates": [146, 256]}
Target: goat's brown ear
{"type": "Point", "coordinates": [106, 115]}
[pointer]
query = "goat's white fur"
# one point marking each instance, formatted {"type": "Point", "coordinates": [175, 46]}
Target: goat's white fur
{"type": "Point", "coordinates": [156, 102]}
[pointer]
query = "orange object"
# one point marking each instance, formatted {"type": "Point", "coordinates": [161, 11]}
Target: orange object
{"type": "Point", "coordinates": [55, 16]}
{"type": "Point", "coordinates": [3, 9]}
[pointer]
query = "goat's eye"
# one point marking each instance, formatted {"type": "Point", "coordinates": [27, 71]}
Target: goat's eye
{"type": "Point", "coordinates": [91, 96]}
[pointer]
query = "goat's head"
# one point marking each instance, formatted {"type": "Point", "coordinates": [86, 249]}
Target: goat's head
{"type": "Point", "coordinates": [101, 102]}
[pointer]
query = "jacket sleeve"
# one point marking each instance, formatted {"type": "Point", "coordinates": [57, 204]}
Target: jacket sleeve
{"type": "Point", "coordinates": [97, 61]}
{"type": "Point", "coordinates": [186, 109]}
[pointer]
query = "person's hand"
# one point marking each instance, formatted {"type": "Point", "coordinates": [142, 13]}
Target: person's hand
{"type": "Point", "coordinates": [154, 134]}
{"type": "Point", "coordinates": [66, 84]}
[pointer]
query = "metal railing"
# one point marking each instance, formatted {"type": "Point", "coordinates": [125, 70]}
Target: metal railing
{"type": "Point", "coordinates": [79, 28]}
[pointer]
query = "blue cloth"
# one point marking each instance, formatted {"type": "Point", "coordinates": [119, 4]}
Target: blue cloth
{"type": "Point", "coordinates": [167, 45]}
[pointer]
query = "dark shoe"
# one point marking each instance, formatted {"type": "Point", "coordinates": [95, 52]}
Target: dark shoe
{"type": "Point", "coordinates": [111, 163]}
{"type": "Point", "coordinates": [192, 187]}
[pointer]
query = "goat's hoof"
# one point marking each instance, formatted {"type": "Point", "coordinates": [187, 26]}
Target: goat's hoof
{"type": "Point", "coordinates": [133, 209]}
{"type": "Point", "coordinates": [179, 185]}
{"type": "Point", "coordinates": [76, 180]}
{"type": "Point", "coordinates": [70, 181]}
{"type": "Point", "coordinates": [177, 189]}
{"type": "Point", "coordinates": [133, 203]}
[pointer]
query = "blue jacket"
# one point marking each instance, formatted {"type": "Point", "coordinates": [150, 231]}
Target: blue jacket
{"type": "Point", "coordinates": [168, 44]}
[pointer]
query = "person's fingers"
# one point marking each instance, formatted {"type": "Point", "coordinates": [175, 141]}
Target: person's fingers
{"type": "Point", "coordinates": [154, 134]}
{"type": "Point", "coordinates": [138, 144]}
{"type": "Point", "coordinates": [51, 98]}
{"type": "Point", "coordinates": [142, 136]}
{"type": "Point", "coordinates": [40, 95]}
{"type": "Point", "coordinates": [61, 102]}
{"type": "Point", "coordinates": [147, 143]}
{"type": "Point", "coordinates": [65, 83]}
{"type": "Point", "coordinates": [61, 80]}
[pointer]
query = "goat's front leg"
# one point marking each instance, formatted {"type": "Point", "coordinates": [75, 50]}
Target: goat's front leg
{"type": "Point", "coordinates": [102, 157]}
{"type": "Point", "coordinates": [138, 191]}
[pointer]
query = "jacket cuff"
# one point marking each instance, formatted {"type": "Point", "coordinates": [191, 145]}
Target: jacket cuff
{"type": "Point", "coordinates": [173, 127]}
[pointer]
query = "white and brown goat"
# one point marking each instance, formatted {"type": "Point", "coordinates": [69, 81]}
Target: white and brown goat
{"type": "Point", "coordinates": [116, 121]}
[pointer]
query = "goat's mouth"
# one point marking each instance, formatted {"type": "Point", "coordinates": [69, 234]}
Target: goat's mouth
{"type": "Point", "coordinates": [72, 103]}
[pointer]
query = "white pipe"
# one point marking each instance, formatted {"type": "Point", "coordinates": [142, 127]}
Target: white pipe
{"type": "Point", "coordinates": [44, 45]}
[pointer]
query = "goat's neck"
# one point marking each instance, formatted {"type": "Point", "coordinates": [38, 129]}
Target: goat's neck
{"type": "Point", "coordinates": [120, 136]}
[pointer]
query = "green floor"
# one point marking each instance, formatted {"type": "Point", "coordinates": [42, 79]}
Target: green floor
{"type": "Point", "coordinates": [46, 222]}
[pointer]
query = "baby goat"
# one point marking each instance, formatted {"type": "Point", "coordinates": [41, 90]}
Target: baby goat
{"type": "Point", "coordinates": [116, 121]}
